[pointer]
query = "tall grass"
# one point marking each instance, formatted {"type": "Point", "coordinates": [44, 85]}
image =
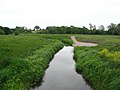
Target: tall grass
{"type": "Point", "coordinates": [100, 65]}
{"type": "Point", "coordinates": [65, 38]}
{"type": "Point", "coordinates": [24, 59]}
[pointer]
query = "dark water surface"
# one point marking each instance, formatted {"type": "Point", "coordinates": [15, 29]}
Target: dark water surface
{"type": "Point", "coordinates": [61, 74]}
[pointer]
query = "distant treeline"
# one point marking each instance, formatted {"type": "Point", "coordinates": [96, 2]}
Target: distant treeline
{"type": "Point", "coordinates": [70, 30]}
{"type": "Point", "coordinates": [16, 31]}
{"type": "Point", "coordinates": [112, 29]}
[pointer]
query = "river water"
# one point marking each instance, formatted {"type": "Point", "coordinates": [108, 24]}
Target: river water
{"type": "Point", "coordinates": [61, 74]}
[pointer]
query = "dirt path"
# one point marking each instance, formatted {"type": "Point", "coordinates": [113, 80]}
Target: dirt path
{"type": "Point", "coordinates": [76, 43]}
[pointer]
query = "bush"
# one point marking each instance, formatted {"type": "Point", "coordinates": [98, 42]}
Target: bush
{"type": "Point", "coordinates": [2, 32]}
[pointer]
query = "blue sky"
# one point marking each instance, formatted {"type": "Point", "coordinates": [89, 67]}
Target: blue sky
{"type": "Point", "coordinates": [58, 12]}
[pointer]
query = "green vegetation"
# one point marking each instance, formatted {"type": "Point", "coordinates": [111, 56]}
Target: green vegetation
{"type": "Point", "coordinates": [65, 38]}
{"type": "Point", "coordinates": [112, 29]}
{"type": "Point", "coordinates": [100, 65]}
{"type": "Point", "coordinates": [24, 59]}
{"type": "Point", "coordinates": [17, 30]}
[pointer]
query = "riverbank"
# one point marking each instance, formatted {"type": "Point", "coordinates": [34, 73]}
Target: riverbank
{"type": "Point", "coordinates": [24, 60]}
{"type": "Point", "coordinates": [61, 74]}
{"type": "Point", "coordinates": [100, 65]}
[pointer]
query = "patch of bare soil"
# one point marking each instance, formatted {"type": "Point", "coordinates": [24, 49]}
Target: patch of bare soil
{"type": "Point", "coordinates": [76, 43]}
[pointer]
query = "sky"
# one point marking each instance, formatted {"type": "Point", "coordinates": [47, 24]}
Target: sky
{"type": "Point", "coordinates": [58, 13]}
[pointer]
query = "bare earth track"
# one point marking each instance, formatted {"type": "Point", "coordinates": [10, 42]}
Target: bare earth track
{"type": "Point", "coordinates": [76, 43]}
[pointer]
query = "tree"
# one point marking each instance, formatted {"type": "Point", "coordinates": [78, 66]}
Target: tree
{"type": "Point", "coordinates": [7, 30]}
{"type": "Point", "coordinates": [84, 30]}
{"type": "Point", "coordinates": [36, 27]}
{"type": "Point", "coordinates": [111, 28]}
{"type": "Point", "coordinates": [91, 26]}
{"type": "Point", "coordinates": [117, 30]}
{"type": "Point", "coordinates": [101, 27]}
{"type": "Point", "coordinates": [19, 30]}
{"type": "Point", "coordinates": [2, 32]}
{"type": "Point", "coordinates": [94, 27]}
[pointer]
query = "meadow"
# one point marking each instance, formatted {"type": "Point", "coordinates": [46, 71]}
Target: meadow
{"type": "Point", "coordinates": [24, 59]}
{"type": "Point", "coordinates": [99, 65]}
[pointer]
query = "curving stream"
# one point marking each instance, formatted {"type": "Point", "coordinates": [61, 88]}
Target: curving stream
{"type": "Point", "coordinates": [61, 74]}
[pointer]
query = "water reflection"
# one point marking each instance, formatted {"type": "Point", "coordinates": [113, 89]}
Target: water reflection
{"type": "Point", "coordinates": [61, 74]}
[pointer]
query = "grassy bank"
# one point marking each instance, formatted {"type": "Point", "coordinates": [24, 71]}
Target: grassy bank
{"type": "Point", "coordinates": [24, 59]}
{"type": "Point", "coordinates": [65, 38]}
{"type": "Point", "coordinates": [100, 65]}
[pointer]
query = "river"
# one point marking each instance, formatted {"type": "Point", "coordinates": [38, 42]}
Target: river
{"type": "Point", "coordinates": [61, 73]}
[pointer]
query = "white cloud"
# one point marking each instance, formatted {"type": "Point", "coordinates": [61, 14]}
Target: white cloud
{"type": "Point", "coordinates": [58, 12]}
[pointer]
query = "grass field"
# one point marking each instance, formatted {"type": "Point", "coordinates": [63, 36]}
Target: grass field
{"type": "Point", "coordinates": [65, 38]}
{"type": "Point", "coordinates": [100, 65]}
{"type": "Point", "coordinates": [24, 59]}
